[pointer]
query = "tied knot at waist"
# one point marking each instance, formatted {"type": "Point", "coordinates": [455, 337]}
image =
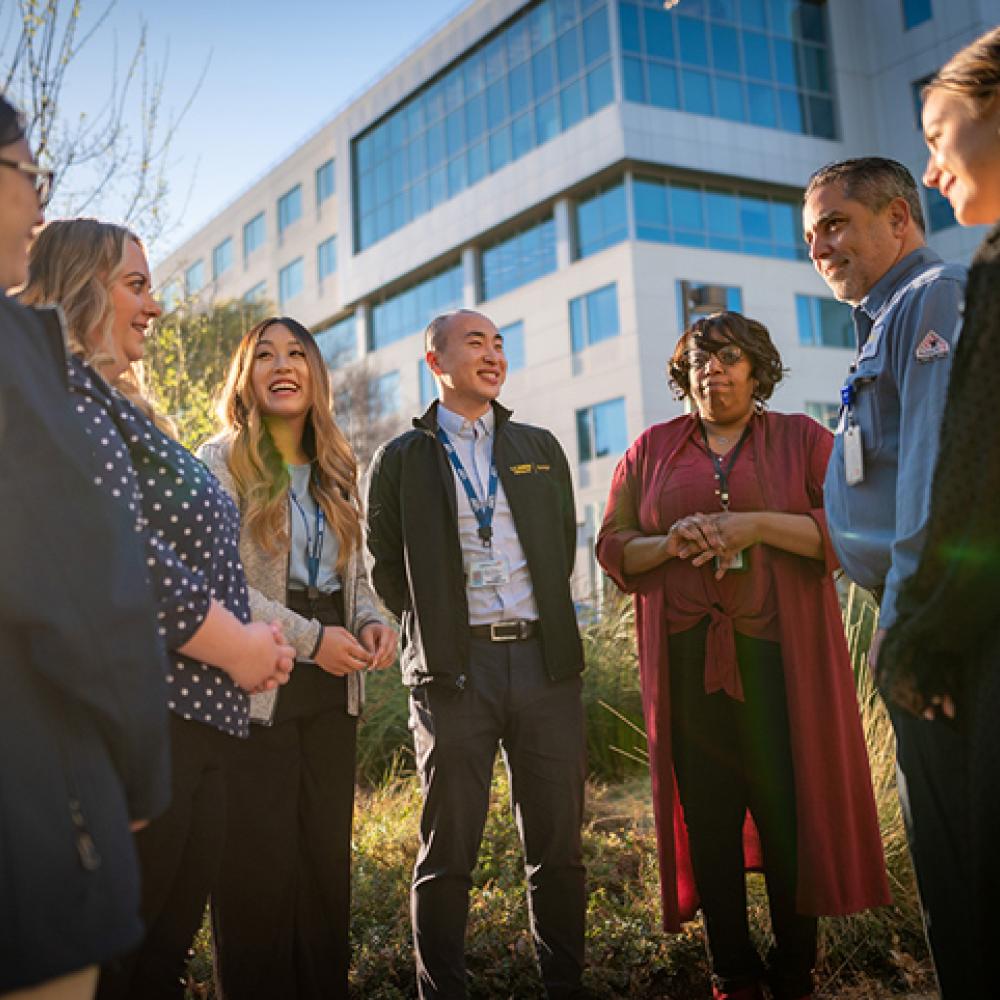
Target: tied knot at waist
{"type": "Point", "coordinates": [722, 669]}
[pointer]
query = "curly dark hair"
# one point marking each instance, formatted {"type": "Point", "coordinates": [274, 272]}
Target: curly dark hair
{"type": "Point", "coordinates": [728, 327]}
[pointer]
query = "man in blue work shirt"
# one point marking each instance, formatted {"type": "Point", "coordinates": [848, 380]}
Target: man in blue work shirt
{"type": "Point", "coordinates": [472, 532]}
{"type": "Point", "coordinates": [864, 226]}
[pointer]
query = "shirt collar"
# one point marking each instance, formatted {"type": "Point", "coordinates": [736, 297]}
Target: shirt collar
{"type": "Point", "coordinates": [882, 291]}
{"type": "Point", "coordinates": [455, 423]}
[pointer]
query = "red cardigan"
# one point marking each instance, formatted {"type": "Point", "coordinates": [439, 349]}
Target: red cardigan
{"type": "Point", "coordinates": [841, 864]}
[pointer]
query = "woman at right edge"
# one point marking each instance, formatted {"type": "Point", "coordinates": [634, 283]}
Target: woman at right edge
{"type": "Point", "coordinates": [941, 659]}
{"type": "Point", "coordinates": [715, 523]}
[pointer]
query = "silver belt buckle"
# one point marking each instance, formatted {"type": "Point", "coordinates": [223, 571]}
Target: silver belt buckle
{"type": "Point", "coordinates": [505, 631]}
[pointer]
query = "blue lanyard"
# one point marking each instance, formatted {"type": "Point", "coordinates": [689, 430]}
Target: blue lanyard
{"type": "Point", "coordinates": [482, 509]}
{"type": "Point", "coordinates": [314, 543]}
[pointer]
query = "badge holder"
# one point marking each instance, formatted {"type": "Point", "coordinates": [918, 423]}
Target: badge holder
{"type": "Point", "coordinates": [735, 563]}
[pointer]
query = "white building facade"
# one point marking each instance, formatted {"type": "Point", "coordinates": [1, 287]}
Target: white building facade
{"type": "Point", "coordinates": [588, 173]}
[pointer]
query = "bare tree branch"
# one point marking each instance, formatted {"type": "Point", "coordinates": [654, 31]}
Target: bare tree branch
{"type": "Point", "coordinates": [116, 153]}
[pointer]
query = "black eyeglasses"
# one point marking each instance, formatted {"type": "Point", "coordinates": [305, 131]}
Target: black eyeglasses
{"type": "Point", "coordinates": [728, 354]}
{"type": "Point", "coordinates": [42, 178]}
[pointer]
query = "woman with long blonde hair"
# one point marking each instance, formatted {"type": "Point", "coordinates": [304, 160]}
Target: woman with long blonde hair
{"type": "Point", "coordinates": [281, 928]}
{"type": "Point", "coordinates": [98, 274]}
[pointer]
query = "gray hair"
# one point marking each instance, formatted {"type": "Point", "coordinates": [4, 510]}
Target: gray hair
{"type": "Point", "coordinates": [872, 180]}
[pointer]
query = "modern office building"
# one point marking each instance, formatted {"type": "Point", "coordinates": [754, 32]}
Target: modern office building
{"type": "Point", "coordinates": [588, 173]}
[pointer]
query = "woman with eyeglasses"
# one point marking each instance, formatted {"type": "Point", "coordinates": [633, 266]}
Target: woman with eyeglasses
{"type": "Point", "coordinates": [83, 735]}
{"type": "Point", "coordinates": [715, 523]}
{"type": "Point", "coordinates": [98, 274]}
{"type": "Point", "coordinates": [941, 659]}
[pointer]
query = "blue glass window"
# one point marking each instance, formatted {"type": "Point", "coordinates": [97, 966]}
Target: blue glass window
{"type": "Point", "coordinates": [408, 311]}
{"type": "Point", "coordinates": [518, 259]}
{"type": "Point", "coordinates": [762, 61]}
{"type": "Point", "coordinates": [726, 219]}
{"type": "Point", "coordinates": [254, 234]}
{"type": "Point", "coordinates": [916, 12]}
{"type": "Point", "coordinates": [537, 76]}
{"type": "Point", "coordinates": [384, 398]}
{"type": "Point", "coordinates": [601, 220]}
{"type": "Point", "coordinates": [289, 208]}
{"type": "Point", "coordinates": [257, 294]}
{"type": "Point", "coordinates": [652, 220]}
{"type": "Point", "coordinates": [663, 90]}
{"type": "Point", "coordinates": [593, 317]}
{"type": "Point", "coordinates": [940, 214]}
{"type": "Point", "coordinates": [827, 414]}
{"type": "Point", "coordinates": [291, 281]}
{"type": "Point", "coordinates": [339, 341]}
{"type": "Point", "coordinates": [601, 430]}
{"type": "Point", "coordinates": [513, 345]}
{"type": "Point", "coordinates": [222, 258]}
{"type": "Point", "coordinates": [824, 322]}
{"type": "Point", "coordinates": [702, 298]}
{"type": "Point", "coordinates": [325, 182]}
{"type": "Point", "coordinates": [628, 25]}
{"type": "Point", "coordinates": [194, 278]}
{"type": "Point", "coordinates": [326, 258]}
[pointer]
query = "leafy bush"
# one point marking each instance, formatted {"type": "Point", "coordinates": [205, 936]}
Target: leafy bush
{"type": "Point", "coordinates": [876, 954]}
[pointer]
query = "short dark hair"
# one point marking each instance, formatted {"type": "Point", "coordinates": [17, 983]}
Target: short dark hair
{"type": "Point", "coordinates": [11, 123]}
{"type": "Point", "coordinates": [734, 328]}
{"type": "Point", "coordinates": [874, 181]}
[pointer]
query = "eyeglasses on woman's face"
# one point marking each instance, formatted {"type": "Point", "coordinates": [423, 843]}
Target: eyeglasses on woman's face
{"type": "Point", "coordinates": [728, 355]}
{"type": "Point", "coordinates": [42, 178]}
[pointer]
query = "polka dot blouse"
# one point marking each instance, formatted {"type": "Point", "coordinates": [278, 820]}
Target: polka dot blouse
{"type": "Point", "coordinates": [191, 530]}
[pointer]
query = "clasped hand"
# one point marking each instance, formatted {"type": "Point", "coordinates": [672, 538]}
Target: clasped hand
{"type": "Point", "coordinates": [341, 654]}
{"type": "Point", "coordinates": [702, 537]}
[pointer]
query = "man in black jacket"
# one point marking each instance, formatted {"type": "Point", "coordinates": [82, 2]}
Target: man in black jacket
{"type": "Point", "coordinates": [83, 739]}
{"type": "Point", "coordinates": [472, 530]}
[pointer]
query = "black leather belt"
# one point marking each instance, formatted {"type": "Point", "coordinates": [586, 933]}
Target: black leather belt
{"type": "Point", "coordinates": [509, 631]}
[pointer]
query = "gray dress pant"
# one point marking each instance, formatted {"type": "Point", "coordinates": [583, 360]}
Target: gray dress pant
{"type": "Point", "coordinates": [508, 701]}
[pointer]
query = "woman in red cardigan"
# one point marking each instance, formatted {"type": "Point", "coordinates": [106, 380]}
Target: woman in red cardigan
{"type": "Point", "coordinates": [715, 523]}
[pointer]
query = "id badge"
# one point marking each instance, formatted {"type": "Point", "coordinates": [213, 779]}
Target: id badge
{"type": "Point", "coordinates": [854, 455]}
{"type": "Point", "coordinates": [487, 571]}
{"type": "Point", "coordinates": [733, 563]}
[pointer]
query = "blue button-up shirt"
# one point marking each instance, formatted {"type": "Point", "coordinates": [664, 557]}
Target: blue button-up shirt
{"type": "Point", "coordinates": [473, 440]}
{"type": "Point", "coordinates": [878, 525]}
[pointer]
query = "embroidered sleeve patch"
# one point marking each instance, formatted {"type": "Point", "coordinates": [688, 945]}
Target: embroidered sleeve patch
{"type": "Point", "coordinates": [932, 347]}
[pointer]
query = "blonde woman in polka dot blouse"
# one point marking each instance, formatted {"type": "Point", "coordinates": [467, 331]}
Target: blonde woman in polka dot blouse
{"type": "Point", "coordinates": [98, 274]}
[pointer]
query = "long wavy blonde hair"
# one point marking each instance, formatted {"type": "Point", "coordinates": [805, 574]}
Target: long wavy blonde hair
{"type": "Point", "coordinates": [257, 466]}
{"type": "Point", "coordinates": [73, 263]}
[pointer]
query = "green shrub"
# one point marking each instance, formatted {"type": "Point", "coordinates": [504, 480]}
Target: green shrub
{"type": "Point", "coordinates": [879, 953]}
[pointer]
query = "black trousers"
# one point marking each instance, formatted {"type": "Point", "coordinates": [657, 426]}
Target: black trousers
{"type": "Point", "coordinates": [932, 762]}
{"type": "Point", "coordinates": [983, 706]}
{"type": "Point", "coordinates": [281, 910]}
{"type": "Point", "coordinates": [179, 855]}
{"type": "Point", "coordinates": [509, 700]}
{"type": "Point", "coordinates": [731, 757]}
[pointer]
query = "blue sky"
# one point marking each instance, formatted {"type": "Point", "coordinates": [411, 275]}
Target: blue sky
{"type": "Point", "coordinates": [277, 69]}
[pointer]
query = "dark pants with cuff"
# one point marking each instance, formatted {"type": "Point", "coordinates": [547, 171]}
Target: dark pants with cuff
{"type": "Point", "coordinates": [731, 757]}
{"type": "Point", "coordinates": [179, 857]}
{"type": "Point", "coordinates": [509, 701]}
{"type": "Point", "coordinates": [281, 911]}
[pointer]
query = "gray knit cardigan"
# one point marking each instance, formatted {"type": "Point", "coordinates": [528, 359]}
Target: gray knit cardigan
{"type": "Point", "coordinates": [267, 579]}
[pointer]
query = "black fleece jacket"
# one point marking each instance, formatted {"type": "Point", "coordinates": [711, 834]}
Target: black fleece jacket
{"type": "Point", "coordinates": [417, 558]}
